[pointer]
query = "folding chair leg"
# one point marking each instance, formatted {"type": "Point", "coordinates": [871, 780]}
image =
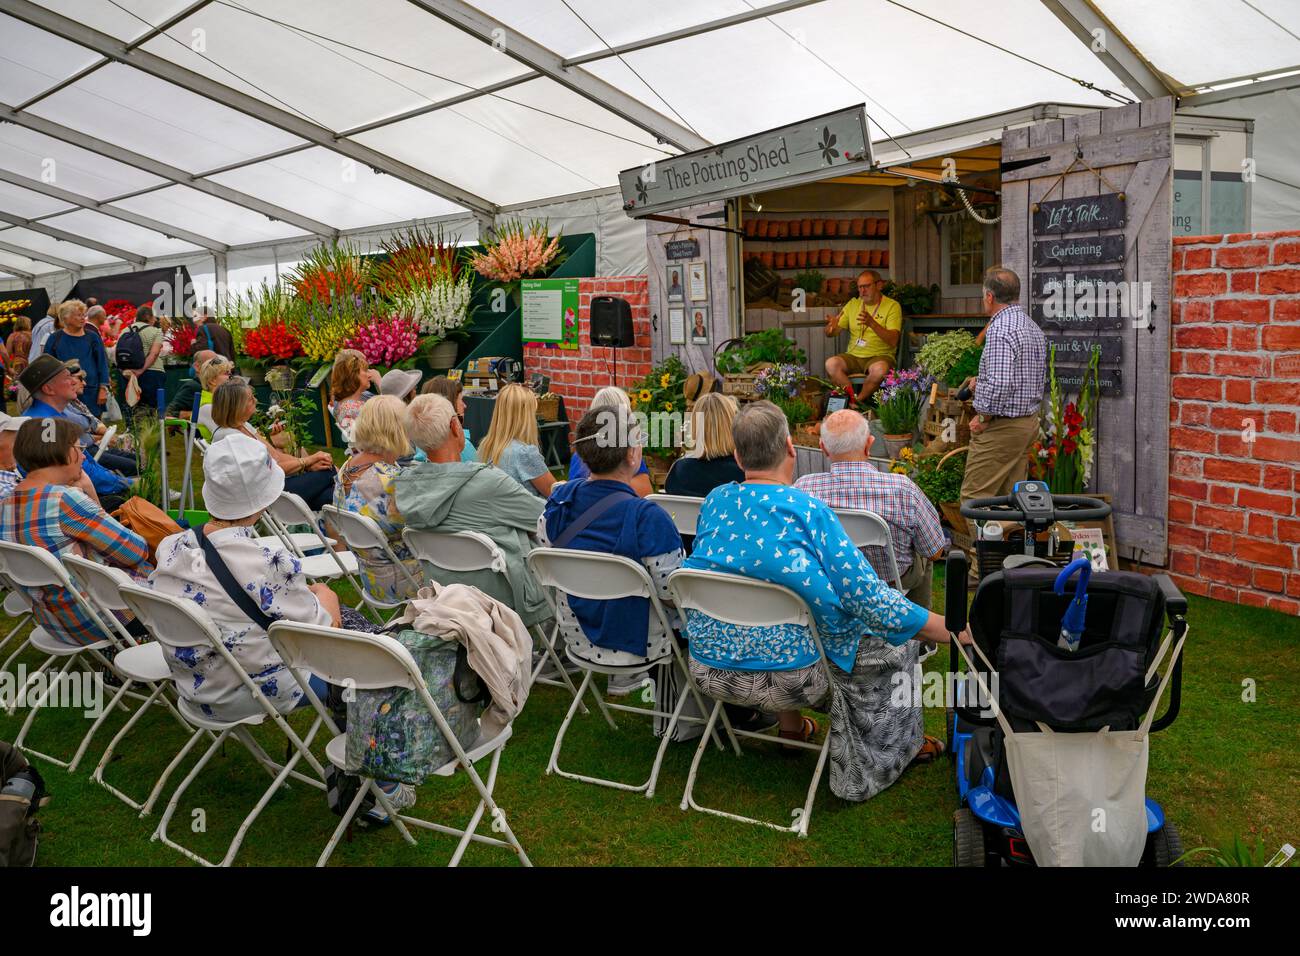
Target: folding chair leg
{"type": "Point", "coordinates": [13, 705]}
{"type": "Point", "coordinates": [342, 827]}
{"type": "Point", "coordinates": [663, 744]}
{"type": "Point", "coordinates": [23, 620]}
{"type": "Point", "coordinates": [157, 790]}
{"type": "Point", "coordinates": [159, 695]}
{"type": "Point", "coordinates": [36, 706]}
{"type": "Point", "coordinates": [688, 801]}
{"type": "Point", "coordinates": [550, 654]}
{"type": "Point", "coordinates": [103, 715]}
{"type": "Point", "coordinates": [244, 737]}
{"type": "Point", "coordinates": [478, 811]}
{"type": "Point", "coordinates": [160, 833]}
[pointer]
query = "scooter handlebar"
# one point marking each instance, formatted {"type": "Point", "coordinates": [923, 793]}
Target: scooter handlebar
{"type": "Point", "coordinates": [992, 509]}
{"type": "Point", "coordinates": [1079, 508]}
{"type": "Point", "coordinates": [1065, 508]}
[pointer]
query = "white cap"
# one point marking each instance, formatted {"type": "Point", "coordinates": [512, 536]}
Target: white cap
{"type": "Point", "coordinates": [398, 382]}
{"type": "Point", "coordinates": [239, 478]}
{"type": "Point", "coordinates": [11, 423]}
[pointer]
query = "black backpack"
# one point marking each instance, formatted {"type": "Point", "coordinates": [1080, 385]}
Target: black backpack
{"type": "Point", "coordinates": [130, 350]}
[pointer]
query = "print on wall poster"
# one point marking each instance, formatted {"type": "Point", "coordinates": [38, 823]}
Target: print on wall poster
{"type": "Point", "coordinates": [676, 327]}
{"type": "Point", "coordinates": [550, 311]}
{"type": "Point", "coordinates": [699, 325]}
{"type": "Point", "coordinates": [698, 273]}
{"type": "Point", "coordinates": [675, 284]}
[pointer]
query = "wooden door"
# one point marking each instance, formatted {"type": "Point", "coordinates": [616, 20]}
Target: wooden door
{"type": "Point", "coordinates": [1126, 150]}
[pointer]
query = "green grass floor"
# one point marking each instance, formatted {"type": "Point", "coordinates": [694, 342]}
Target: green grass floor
{"type": "Point", "coordinates": [1226, 768]}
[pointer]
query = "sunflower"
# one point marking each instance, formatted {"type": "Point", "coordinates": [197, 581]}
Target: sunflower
{"type": "Point", "coordinates": [632, 399]}
{"type": "Point", "coordinates": [668, 406]}
{"type": "Point", "coordinates": [644, 395]}
{"type": "Point", "coordinates": [664, 380]}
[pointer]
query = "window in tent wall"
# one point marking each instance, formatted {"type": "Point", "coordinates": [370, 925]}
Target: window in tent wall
{"type": "Point", "coordinates": [966, 250]}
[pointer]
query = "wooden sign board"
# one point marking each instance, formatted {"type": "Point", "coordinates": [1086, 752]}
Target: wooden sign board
{"type": "Point", "coordinates": [1078, 251]}
{"type": "Point", "coordinates": [1074, 349]}
{"type": "Point", "coordinates": [1048, 283]}
{"type": "Point", "coordinates": [1074, 323]}
{"type": "Point", "coordinates": [1110, 381]}
{"type": "Point", "coordinates": [1081, 214]}
{"type": "Point", "coordinates": [682, 249]}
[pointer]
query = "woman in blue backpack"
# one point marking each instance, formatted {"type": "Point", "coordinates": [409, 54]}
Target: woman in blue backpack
{"type": "Point", "coordinates": [79, 341]}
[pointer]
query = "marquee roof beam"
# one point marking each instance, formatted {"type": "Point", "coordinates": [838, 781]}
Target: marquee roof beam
{"type": "Point", "coordinates": [64, 236]}
{"type": "Point", "coordinates": [35, 256]}
{"type": "Point", "coordinates": [1119, 56]}
{"type": "Point", "coordinates": [85, 202]}
{"type": "Point", "coordinates": [25, 276]}
{"type": "Point", "coordinates": [550, 64]}
{"type": "Point", "coordinates": [263, 112]}
{"type": "Point", "coordinates": [162, 170]}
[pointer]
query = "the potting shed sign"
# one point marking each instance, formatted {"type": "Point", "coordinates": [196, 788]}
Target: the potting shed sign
{"type": "Point", "coordinates": [812, 149]}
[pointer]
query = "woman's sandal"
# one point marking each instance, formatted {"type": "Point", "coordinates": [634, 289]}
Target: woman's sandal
{"type": "Point", "coordinates": [931, 748]}
{"type": "Point", "coordinates": [803, 735]}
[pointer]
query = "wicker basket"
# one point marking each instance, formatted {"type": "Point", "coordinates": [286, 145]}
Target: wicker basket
{"type": "Point", "coordinates": [740, 385]}
{"type": "Point", "coordinates": [548, 408]}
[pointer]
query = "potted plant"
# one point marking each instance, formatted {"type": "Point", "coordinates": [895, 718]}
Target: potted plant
{"type": "Point", "coordinates": [517, 251]}
{"type": "Point", "coordinates": [660, 393]}
{"type": "Point", "coordinates": [941, 353]}
{"type": "Point", "coordinates": [914, 299]}
{"type": "Point", "coordinates": [781, 385]}
{"type": "Point", "coordinates": [898, 405]}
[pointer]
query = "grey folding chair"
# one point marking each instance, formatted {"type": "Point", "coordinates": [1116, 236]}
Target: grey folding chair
{"type": "Point", "coordinates": [288, 510]}
{"type": "Point", "coordinates": [16, 605]}
{"type": "Point", "coordinates": [468, 551]}
{"type": "Point", "coordinates": [29, 567]}
{"type": "Point", "coordinates": [746, 602]}
{"type": "Point", "coordinates": [362, 533]}
{"type": "Point", "coordinates": [180, 624]}
{"type": "Point", "coordinates": [683, 509]}
{"type": "Point", "coordinates": [609, 577]}
{"type": "Point", "coordinates": [376, 661]}
{"type": "Point", "coordinates": [867, 529]}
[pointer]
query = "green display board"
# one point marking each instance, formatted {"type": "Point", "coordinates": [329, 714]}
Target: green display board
{"type": "Point", "coordinates": [550, 311]}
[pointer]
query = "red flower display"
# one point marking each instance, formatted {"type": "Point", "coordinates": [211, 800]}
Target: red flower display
{"type": "Point", "coordinates": [272, 341]}
{"type": "Point", "coordinates": [182, 338]}
{"type": "Point", "coordinates": [120, 309]}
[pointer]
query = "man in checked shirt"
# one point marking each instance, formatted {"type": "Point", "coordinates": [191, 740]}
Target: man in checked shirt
{"type": "Point", "coordinates": [1008, 390]}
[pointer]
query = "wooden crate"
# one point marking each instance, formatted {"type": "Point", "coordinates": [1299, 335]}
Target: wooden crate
{"type": "Point", "coordinates": [740, 385]}
{"type": "Point", "coordinates": [548, 408]}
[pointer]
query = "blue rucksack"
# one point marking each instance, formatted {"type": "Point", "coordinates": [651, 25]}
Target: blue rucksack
{"type": "Point", "coordinates": [130, 349]}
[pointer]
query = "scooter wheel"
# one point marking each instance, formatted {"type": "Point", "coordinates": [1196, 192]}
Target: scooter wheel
{"type": "Point", "coordinates": [967, 840]}
{"type": "Point", "coordinates": [1167, 846]}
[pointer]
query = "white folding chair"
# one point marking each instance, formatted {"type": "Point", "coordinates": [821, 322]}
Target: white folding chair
{"type": "Point", "coordinates": [867, 529]}
{"type": "Point", "coordinates": [377, 661]}
{"type": "Point", "coordinates": [178, 624]}
{"type": "Point", "coordinates": [608, 577]}
{"type": "Point", "coordinates": [16, 605]}
{"type": "Point", "coordinates": [683, 509]}
{"type": "Point", "coordinates": [746, 602]}
{"type": "Point", "coordinates": [29, 567]}
{"type": "Point", "coordinates": [103, 442]}
{"type": "Point", "coordinates": [141, 663]}
{"type": "Point", "coordinates": [468, 551]}
{"type": "Point", "coordinates": [288, 510]}
{"type": "Point", "coordinates": [362, 533]}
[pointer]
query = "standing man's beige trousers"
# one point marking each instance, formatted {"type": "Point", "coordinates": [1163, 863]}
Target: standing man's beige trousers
{"type": "Point", "coordinates": [998, 457]}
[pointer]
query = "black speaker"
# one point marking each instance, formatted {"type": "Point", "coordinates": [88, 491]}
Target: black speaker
{"type": "Point", "coordinates": [611, 322]}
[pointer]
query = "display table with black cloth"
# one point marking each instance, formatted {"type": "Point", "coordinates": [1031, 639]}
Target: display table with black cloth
{"type": "Point", "coordinates": [554, 436]}
{"type": "Point", "coordinates": [147, 285]}
{"type": "Point", "coordinates": [38, 303]}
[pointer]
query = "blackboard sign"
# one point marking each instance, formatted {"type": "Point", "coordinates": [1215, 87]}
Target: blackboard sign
{"type": "Point", "coordinates": [1082, 214]}
{"type": "Point", "coordinates": [683, 249]}
{"type": "Point", "coordinates": [1073, 349]}
{"type": "Point", "coordinates": [1109, 380]}
{"type": "Point", "coordinates": [1049, 318]}
{"type": "Point", "coordinates": [1047, 283]}
{"type": "Point", "coordinates": [1080, 250]}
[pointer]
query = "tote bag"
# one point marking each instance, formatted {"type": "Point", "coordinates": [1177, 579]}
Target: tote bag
{"type": "Point", "coordinates": [1081, 796]}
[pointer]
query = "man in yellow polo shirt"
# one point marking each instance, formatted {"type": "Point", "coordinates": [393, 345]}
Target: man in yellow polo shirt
{"type": "Point", "coordinates": [875, 324]}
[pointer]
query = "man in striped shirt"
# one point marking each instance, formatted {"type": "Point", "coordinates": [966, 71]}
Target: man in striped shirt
{"type": "Point", "coordinates": [1008, 390]}
{"type": "Point", "coordinates": [853, 482]}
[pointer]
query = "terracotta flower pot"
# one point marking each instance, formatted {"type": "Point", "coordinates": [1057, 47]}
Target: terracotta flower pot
{"type": "Point", "coordinates": [837, 258]}
{"type": "Point", "coordinates": [833, 286]}
{"type": "Point", "coordinates": [765, 259]}
{"type": "Point", "coordinates": [884, 258]}
{"type": "Point", "coordinates": [784, 260]}
{"type": "Point", "coordinates": [760, 228]}
{"type": "Point", "coordinates": [823, 257]}
{"type": "Point", "coordinates": [850, 257]}
{"type": "Point", "coordinates": [806, 227]}
{"type": "Point", "coordinates": [800, 259]}
{"type": "Point", "coordinates": [750, 226]}
{"type": "Point", "coordinates": [816, 225]}
{"type": "Point", "coordinates": [859, 225]}
{"type": "Point", "coordinates": [869, 228]}
{"type": "Point", "coordinates": [875, 256]}
{"type": "Point", "coordinates": [882, 227]}
{"type": "Point", "coordinates": [842, 226]}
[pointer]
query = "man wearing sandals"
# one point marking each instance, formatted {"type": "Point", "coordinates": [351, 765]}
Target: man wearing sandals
{"type": "Point", "coordinates": [764, 528]}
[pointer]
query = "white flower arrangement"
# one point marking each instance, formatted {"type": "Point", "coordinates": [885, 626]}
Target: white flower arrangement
{"type": "Point", "coordinates": [440, 307]}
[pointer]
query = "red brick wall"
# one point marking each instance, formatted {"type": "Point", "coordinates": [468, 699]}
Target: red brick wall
{"type": "Point", "coordinates": [1234, 523]}
{"type": "Point", "coordinates": [578, 375]}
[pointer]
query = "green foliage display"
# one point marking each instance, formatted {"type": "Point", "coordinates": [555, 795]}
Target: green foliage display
{"type": "Point", "coordinates": [796, 410]}
{"type": "Point", "coordinates": [965, 366]}
{"type": "Point", "coordinates": [770, 345]}
{"type": "Point", "coordinates": [914, 299]}
{"type": "Point", "coordinates": [810, 280]}
{"type": "Point", "coordinates": [941, 352]}
{"type": "Point", "coordinates": [940, 484]}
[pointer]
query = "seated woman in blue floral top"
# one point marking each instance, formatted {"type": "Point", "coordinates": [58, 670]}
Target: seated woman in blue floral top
{"type": "Point", "coordinates": [765, 529]}
{"type": "Point", "coordinates": [364, 486]}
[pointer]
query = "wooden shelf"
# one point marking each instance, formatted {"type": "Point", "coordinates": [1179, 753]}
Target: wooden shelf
{"type": "Point", "coordinates": [837, 238]}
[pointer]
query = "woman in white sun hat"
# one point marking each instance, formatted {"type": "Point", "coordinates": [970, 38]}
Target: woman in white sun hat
{"type": "Point", "coordinates": [240, 480]}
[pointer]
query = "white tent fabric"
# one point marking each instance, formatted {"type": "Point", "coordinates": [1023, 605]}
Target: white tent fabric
{"type": "Point", "coordinates": [256, 124]}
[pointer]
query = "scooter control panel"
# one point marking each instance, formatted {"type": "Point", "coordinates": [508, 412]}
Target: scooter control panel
{"type": "Point", "coordinates": [1034, 500]}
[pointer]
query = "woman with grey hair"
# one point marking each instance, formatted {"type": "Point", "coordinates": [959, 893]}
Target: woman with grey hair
{"type": "Point", "coordinates": [764, 528]}
{"type": "Point", "coordinates": [612, 396]}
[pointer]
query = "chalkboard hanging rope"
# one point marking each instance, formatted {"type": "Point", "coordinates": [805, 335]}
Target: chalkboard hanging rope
{"type": "Point", "coordinates": [1060, 180]}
